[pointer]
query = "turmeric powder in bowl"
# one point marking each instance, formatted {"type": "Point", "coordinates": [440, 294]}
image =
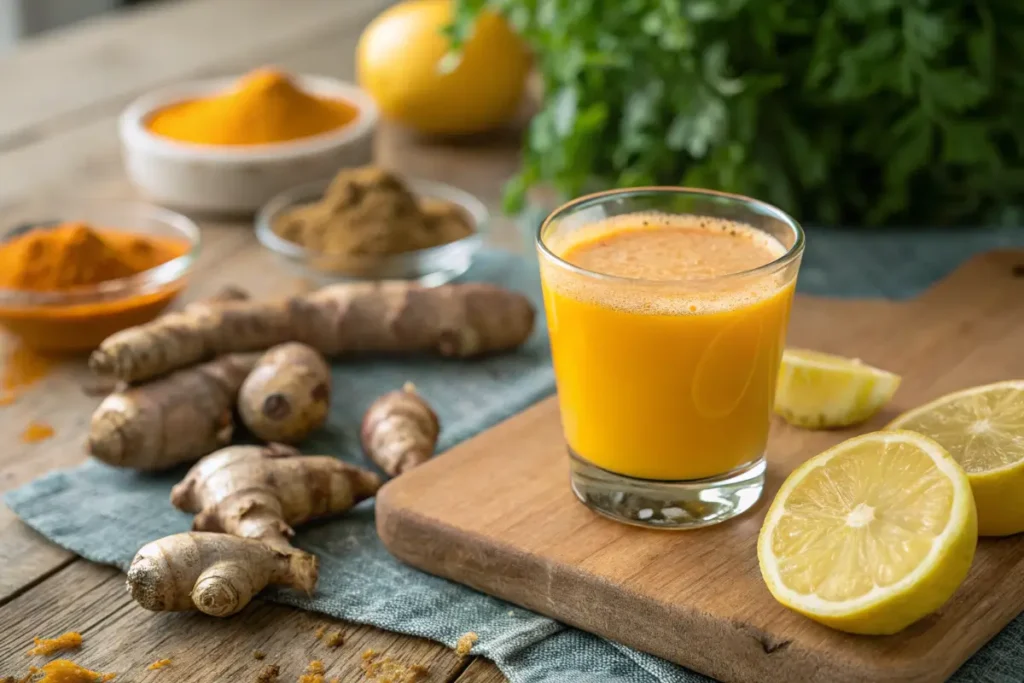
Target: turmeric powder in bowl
{"type": "Point", "coordinates": [67, 286]}
{"type": "Point", "coordinates": [265, 107]}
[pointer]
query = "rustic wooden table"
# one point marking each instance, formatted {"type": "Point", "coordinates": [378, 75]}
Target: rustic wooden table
{"type": "Point", "coordinates": [61, 95]}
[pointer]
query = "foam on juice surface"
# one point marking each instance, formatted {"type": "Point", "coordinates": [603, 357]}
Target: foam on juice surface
{"type": "Point", "coordinates": [678, 263]}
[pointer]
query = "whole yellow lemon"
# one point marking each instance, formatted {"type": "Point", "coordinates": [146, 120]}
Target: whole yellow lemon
{"type": "Point", "coordinates": [398, 62]}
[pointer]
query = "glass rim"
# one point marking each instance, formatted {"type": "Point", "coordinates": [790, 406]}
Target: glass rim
{"type": "Point", "coordinates": [765, 208]}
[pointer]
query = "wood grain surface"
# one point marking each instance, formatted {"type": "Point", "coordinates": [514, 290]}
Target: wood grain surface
{"type": "Point", "coordinates": [62, 94]}
{"type": "Point", "coordinates": [514, 530]}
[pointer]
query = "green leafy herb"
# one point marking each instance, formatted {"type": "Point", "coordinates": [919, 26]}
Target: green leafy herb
{"type": "Point", "coordinates": [840, 111]}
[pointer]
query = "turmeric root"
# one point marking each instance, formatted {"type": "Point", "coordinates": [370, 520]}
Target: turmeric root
{"type": "Point", "coordinates": [259, 492]}
{"type": "Point", "coordinates": [287, 394]}
{"type": "Point", "coordinates": [216, 574]}
{"type": "Point", "coordinates": [400, 430]}
{"type": "Point", "coordinates": [172, 420]}
{"type": "Point", "coordinates": [47, 646]}
{"type": "Point", "coordinates": [388, 317]}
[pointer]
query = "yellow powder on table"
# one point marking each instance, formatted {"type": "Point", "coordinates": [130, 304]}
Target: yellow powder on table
{"type": "Point", "coordinates": [266, 107]}
{"type": "Point", "coordinates": [314, 673]}
{"type": "Point", "coordinates": [465, 643]}
{"type": "Point", "coordinates": [22, 367]}
{"type": "Point", "coordinates": [64, 671]}
{"type": "Point", "coordinates": [269, 674]}
{"type": "Point", "coordinates": [36, 432]}
{"type": "Point", "coordinates": [384, 669]}
{"type": "Point", "coordinates": [47, 646]}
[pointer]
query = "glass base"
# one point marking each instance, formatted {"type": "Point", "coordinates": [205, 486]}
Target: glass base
{"type": "Point", "coordinates": [667, 504]}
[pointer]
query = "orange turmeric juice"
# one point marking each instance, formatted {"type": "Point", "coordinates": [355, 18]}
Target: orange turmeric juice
{"type": "Point", "coordinates": [667, 333]}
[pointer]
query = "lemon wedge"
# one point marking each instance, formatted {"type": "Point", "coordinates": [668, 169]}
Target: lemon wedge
{"type": "Point", "coordinates": [870, 535]}
{"type": "Point", "coordinates": [821, 391]}
{"type": "Point", "coordinates": [983, 429]}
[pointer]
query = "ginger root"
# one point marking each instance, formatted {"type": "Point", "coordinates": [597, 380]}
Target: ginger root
{"type": "Point", "coordinates": [400, 430]}
{"type": "Point", "coordinates": [260, 492]}
{"type": "Point", "coordinates": [175, 419]}
{"type": "Point", "coordinates": [47, 646]}
{"type": "Point", "coordinates": [460, 320]}
{"type": "Point", "coordinates": [216, 574]}
{"type": "Point", "coordinates": [287, 394]}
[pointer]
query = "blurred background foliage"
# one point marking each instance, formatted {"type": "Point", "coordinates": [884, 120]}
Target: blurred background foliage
{"type": "Point", "coordinates": [853, 112]}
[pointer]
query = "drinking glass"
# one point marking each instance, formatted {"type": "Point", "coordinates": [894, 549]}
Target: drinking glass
{"type": "Point", "coordinates": [666, 386]}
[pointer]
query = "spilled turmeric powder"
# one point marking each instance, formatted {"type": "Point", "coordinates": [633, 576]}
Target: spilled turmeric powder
{"type": "Point", "coordinates": [314, 673]}
{"type": "Point", "coordinates": [266, 107]}
{"type": "Point", "coordinates": [465, 643]}
{"type": "Point", "coordinates": [383, 669]}
{"type": "Point", "coordinates": [334, 639]}
{"type": "Point", "coordinates": [64, 671]}
{"type": "Point", "coordinates": [47, 646]}
{"type": "Point", "coordinates": [22, 367]}
{"type": "Point", "coordinates": [36, 432]}
{"type": "Point", "coordinates": [269, 674]}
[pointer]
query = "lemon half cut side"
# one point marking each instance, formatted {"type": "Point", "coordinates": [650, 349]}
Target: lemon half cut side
{"type": "Point", "coordinates": [870, 535]}
{"type": "Point", "coordinates": [983, 429]}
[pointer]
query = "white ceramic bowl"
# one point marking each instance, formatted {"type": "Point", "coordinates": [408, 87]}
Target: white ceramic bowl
{"type": "Point", "coordinates": [238, 179]}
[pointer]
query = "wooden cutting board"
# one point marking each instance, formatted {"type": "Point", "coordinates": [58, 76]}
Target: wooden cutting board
{"type": "Point", "coordinates": [496, 513]}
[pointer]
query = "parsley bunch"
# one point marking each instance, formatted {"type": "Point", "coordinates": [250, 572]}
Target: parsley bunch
{"type": "Point", "coordinates": [858, 112]}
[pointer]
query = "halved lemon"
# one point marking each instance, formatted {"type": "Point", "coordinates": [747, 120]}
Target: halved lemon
{"type": "Point", "coordinates": [821, 391]}
{"type": "Point", "coordinates": [983, 429]}
{"type": "Point", "coordinates": [870, 535]}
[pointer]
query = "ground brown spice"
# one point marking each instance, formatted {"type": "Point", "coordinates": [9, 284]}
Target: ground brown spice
{"type": "Point", "coordinates": [369, 212]}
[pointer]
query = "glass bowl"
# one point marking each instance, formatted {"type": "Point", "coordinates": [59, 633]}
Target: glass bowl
{"type": "Point", "coordinates": [77, 320]}
{"type": "Point", "coordinates": [429, 267]}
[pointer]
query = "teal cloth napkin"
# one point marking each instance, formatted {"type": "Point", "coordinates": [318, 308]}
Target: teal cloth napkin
{"type": "Point", "coordinates": [105, 514]}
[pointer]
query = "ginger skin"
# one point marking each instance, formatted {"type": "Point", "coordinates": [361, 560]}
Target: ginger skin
{"type": "Point", "coordinates": [260, 492]}
{"type": "Point", "coordinates": [400, 431]}
{"type": "Point", "coordinates": [175, 419]}
{"type": "Point", "coordinates": [216, 574]}
{"type": "Point", "coordinates": [287, 394]}
{"type": "Point", "coordinates": [461, 320]}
